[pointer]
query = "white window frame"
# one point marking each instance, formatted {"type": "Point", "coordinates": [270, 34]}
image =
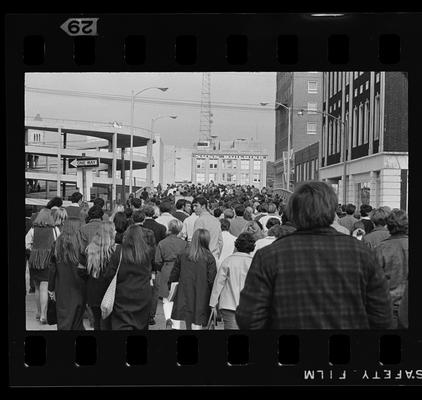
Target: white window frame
{"type": "Point", "coordinates": [311, 131]}
{"type": "Point", "coordinates": [313, 90]}
{"type": "Point", "coordinates": [312, 107]}
{"type": "Point", "coordinates": [242, 162]}
{"type": "Point", "coordinates": [366, 122]}
{"type": "Point", "coordinates": [360, 127]}
{"type": "Point", "coordinates": [256, 165]}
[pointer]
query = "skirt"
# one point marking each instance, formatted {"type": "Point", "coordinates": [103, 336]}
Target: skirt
{"type": "Point", "coordinates": [38, 275]}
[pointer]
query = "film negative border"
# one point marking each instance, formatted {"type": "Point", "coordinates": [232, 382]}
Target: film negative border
{"type": "Point", "coordinates": [265, 42]}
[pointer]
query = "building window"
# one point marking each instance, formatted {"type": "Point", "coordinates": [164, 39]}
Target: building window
{"type": "Point", "coordinates": [256, 178]}
{"type": "Point", "coordinates": [366, 123]}
{"type": "Point", "coordinates": [367, 85]}
{"type": "Point", "coordinates": [361, 89]}
{"type": "Point", "coordinates": [200, 178]}
{"type": "Point", "coordinates": [360, 73]}
{"type": "Point", "coordinates": [244, 164]}
{"type": "Point", "coordinates": [312, 87]}
{"type": "Point", "coordinates": [312, 107]}
{"type": "Point", "coordinates": [334, 137]}
{"type": "Point", "coordinates": [377, 77]}
{"type": "Point", "coordinates": [244, 179]}
{"type": "Point", "coordinates": [330, 138]}
{"type": "Point", "coordinates": [335, 82]}
{"type": "Point", "coordinates": [347, 78]}
{"type": "Point", "coordinates": [354, 126]}
{"type": "Point", "coordinates": [228, 164]}
{"type": "Point", "coordinates": [311, 128]}
{"type": "Point", "coordinates": [355, 74]}
{"type": "Point", "coordinates": [347, 98]}
{"type": "Point", "coordinates": [360, 130]}
{"type": "Point", "coordinates": [330, 82]}
{"type": "Point", "coordinates": [356, 92]}
{"type": "Point", "coordinates": [377, 118]}
{"type": "Point", "coordinates": [213, 164]}
{"type": "Point", "coordinates": [334, 106]}
{"type": "Point", "coordinates": [257, 165]}
{"type": "Point", "coordinates": [340, 80]}
{"type": "Point", "coordinates": [339, 104]}
{"type": "Point", "coordinates": [200, 163]}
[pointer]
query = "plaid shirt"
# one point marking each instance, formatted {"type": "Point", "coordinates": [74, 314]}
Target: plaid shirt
{"type": "Point", "coordinates": [319, 279]}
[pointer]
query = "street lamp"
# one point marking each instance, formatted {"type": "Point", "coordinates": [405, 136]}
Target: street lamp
{"type": "Point", "coordinates": [289, 109]}
{"type": "Point", "coordinates": [172, 116]}
{"type": "Point", "coordinates": [345, 140]}
{"type": "Point", "coordinates": [163, 89]}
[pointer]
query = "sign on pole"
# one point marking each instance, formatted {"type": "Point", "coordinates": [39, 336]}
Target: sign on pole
{"type": "Point", "coordinates": [84, 163]}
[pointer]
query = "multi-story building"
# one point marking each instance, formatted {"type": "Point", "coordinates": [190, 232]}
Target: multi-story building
{"type": "Point", "coordinates": [240, 162]}
{"type": "Point", "coordinates": [306, 163]}
{"type": "Point", "coordinates": [270, 174]}
{"type": "Point", "coordinates": [370, 134]}
{"type": "Point", "coordinates": [299, 91]}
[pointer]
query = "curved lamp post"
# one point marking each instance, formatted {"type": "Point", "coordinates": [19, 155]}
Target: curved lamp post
{"type": "Point", "coordinates": [163, 89]}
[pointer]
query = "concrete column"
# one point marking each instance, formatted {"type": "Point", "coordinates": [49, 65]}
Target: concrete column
{"type": "Point", "coordinates": [382, 112]}
{"type": "Point", "coordinates": [113, 171]}
{"type": "Point", "coordinates": [263, 173]}
{"type": "Point", "coordinates": [371, 112]}
{"type": "Point", "coordinates": [351, 194]}
{"type": "Point", "coordinates": [390, 180]}
{"type": "Point", "coordinates": [59, 155]}
{"type": "Point", "coordinates": [373, 200]}
{"type": "Point", "coordinates": [149, 165]}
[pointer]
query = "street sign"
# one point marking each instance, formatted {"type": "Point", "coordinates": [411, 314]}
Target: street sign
{"type": "Point", "coordinates": [84, 163]}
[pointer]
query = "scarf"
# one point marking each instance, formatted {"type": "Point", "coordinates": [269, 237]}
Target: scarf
{"type": "Point", "coordinates": [42, 247]}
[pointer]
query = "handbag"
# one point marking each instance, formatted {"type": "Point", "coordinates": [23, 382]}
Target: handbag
{"type": "Point", "coordinates": [107, 303]}
{"type": "Point", "coordinates": [212, 320]}
{"type": "Point", "coordinates": [51, 312]}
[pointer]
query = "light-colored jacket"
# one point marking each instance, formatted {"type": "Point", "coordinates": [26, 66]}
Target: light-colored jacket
{"type": "Point", "coordinates": [228, 247]}
{"type": "Point", "coordinates": [207, 221]}
{"type": "Point", "coordinates": [230, 280]}
{"type": "Point", "coordinates": [260, 243]}
{"type": "Point", "coordinates": [188, 224]}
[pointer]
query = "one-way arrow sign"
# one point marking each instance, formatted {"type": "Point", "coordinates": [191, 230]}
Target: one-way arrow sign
{"type": "Point", "coordinates": [84, 163]}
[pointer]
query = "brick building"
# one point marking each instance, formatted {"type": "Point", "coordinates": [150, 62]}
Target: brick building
{"type": "Point", "coordinates": [373, 112]}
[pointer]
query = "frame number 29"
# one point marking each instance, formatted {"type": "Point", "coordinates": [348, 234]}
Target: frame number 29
{"type": "Point", "coordinates": [80, 26]}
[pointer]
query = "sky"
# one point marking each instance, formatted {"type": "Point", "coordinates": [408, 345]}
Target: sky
{"type": "Point", "coordinates": [240, 116]}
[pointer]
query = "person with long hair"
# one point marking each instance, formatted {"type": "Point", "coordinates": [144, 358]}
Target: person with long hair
{"type": "Point", "coordinates": [40, 241]}
{"type": "Point", "coordinates": [64, 282]}
{"type": "Point", "coordinates": [98, 254]}
{"type": "Point", "coordinates": [132, 303]}
{"type": "Point", "coordinates": [59, 216]}
{"type": "Point", "coordinates": [195, 270]}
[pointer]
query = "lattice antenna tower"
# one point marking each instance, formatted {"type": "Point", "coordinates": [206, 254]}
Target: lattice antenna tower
{"type": "Point", "coordinates": [206, 114]}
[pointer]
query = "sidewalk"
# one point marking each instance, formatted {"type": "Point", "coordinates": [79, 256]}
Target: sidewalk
{"type": "Point", "coordinates": [33, 325]}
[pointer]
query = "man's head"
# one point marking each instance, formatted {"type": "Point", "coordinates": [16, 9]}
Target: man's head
{"type": "Point", "coordinates": [217, 212]}
{"type": "Point", "coordinates": [350, 209]}
{"type": "Point", "coordinates": [95, 212]}
{"type": "Point", "coordinates": [397, 222]}
{"type": "Point", "coordinates": [245, 242]}
{"type": "Point", "coordinates": [228, 213]}
{"type": "Point", "coordinates": [180, 204]}
{"type": "Point", "coordinates": [379, 216]}
{"type": "Point", "coordinates": [312, 205]}
{"type": "Point", "coordinates": [188, 207]}
{"type": "Point", "coordinates": [225, 224]}
{"type": "Point", "coordinates": [175, 227]}
{"type": "Point", "coordinates": [239, 210]}
{"type": "Point", "coordinates": [138, 216]}
{"type": "Point", "coordinates": [76, 197]}
{"type": "Point", "coordinates": [199, 205]}
{"type": "Point", "coordinates": [365, 209]}
{"type": "Point", "coordinates": [271, 222]}
{"type": "Point", "coordinates": [149, 211]}
{"type": "Point", "coordinates": [98, 201]}
{"type": "Point", "coordinates": [136, 203]}
{"type": "Point", "coordinates": [165, 207]}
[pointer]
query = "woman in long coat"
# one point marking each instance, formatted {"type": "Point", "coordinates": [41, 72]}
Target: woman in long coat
{"type": "Point", "coordinates": [195, 270]}
{"type": "Point", "coordinates": [166, 254]}
{"type": "Point", "coordinates": [132, 303]}
{"type": "Point", "coordinates": [65, 284]}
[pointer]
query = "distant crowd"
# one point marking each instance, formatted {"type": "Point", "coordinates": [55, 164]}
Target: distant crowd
{"type": "Point", "coordinates": [250, 257]}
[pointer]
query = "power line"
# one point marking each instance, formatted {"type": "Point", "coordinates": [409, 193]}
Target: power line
{"type": "Point", "coordinates": [178, 102]}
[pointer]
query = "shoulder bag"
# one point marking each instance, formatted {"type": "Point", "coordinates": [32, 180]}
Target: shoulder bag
{"type": "Point", "coordinates": [107, 303]}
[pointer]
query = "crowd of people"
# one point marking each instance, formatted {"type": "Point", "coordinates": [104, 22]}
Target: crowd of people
{"type": "Point", "coordinates": [255, 259]}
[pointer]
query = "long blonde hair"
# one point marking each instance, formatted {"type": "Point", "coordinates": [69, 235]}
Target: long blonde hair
{"type": "Point", "coordinates": [100, 249]}
{"type": "Point", "coordinates": [199, 246]}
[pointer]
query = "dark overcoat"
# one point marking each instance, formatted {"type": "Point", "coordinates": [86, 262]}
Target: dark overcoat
{"type": "Point", "coordinates": [196, 279]}
{"type": "Point", "coordinates": [132, 302]}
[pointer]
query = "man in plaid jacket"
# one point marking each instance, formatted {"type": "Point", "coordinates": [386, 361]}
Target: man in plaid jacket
{"type": "Point", "coordinates": [316, 277]}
